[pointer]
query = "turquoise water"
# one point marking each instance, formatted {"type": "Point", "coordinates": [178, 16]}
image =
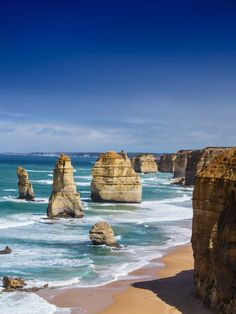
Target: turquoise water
{"type": "Point", "coordinates": [59, 252]}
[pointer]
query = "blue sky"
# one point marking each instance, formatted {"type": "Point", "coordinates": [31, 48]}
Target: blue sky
{"type": "Point", "coordinates": [87, 75]}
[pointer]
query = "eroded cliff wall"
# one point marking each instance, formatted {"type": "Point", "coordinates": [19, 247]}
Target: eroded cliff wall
{"type": "Point", "coordinates": [214, 232]}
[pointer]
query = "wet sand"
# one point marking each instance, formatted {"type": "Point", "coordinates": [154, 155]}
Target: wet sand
{"type": "Point", "coordinates": [153, 289]}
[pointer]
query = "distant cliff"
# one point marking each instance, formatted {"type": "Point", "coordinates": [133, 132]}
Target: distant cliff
{"type": "Point", "coordinates": [214, 232]}
{"type": "Point", "coordinates": [165, 163]}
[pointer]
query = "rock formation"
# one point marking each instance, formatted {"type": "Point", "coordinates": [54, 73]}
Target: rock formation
{"type": "Point", "coordinates": [193, 159]}
{"type": "Point", "coordinates": [7, 250]}
{"type": "Point", "coordinates": [102, 233]}
{"type": "Point", "coordinates": [114, 179]}
{"type": "Point", "coordinates": [144, 163]}
{"type": "Point", "coordinates": [10, 283]}
{"type": "Point", "coordinates": [25, 187]}
{"type": "Point", "coordinates": [165, 163]}
{"type": "Point", "coordinates": [214, 232]}
{"type": "Point", "coordinates": [179, 165]}
{"type": "Point", "coordinates": [64, 200]}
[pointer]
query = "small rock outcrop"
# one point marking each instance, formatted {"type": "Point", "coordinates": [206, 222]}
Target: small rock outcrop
{"type": "Point", "coordinates": [214, 232]}
{"type": "Point", "coordinates": [144, 163]}
{"type": "Point", "coordinates": [24, 186]}
{"type": "Point", "coordinates": [114, 179]}
{"type": "Point", "coordinates": [64, 200]}
{"type": "Point", "coordinates": [11, 283]}
{"type": "Point", "coordinates": [7, 250]}
{"type": "Point", "coordinates": [165, 163]}
{"type": "Point", "coordinates": [102, 233]}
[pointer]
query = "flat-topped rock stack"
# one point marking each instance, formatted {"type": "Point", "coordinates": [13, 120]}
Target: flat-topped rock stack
{"type": "Point", "coordinates": [114, 179]}
{"type": "Point", "coordinates": [25, 187]}
{"type": "Point", "coordinates": [165, 163]}
{"type": "Point", "coordinates": [145, 163]}
{"type": "Point", "coordinates": [214, 232]}
{"type": "Point", "coordinates": [64, 200]}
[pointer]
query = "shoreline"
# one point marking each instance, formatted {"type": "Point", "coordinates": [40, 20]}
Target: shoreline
{"type": "Point", "coordinates": [153, 288]}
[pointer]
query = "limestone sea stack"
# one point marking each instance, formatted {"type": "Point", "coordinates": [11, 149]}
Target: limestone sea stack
{"type": "Point", "coordinates": [145, 163]}
{"type": "Point", "coordinates": [25, 187]}
{"type": "Point", "coordinates": [214, 232]}
{"type": "Point", "coordinates": [114, 179]}
{"type": "Point", "coordinates": [102, 233]}
{"type": "Point", "coordinates": [165, 163]}
{"type": "Point", "coordinates": [64, 200]}
{"type": "Point", "coordinates": [179, 166]}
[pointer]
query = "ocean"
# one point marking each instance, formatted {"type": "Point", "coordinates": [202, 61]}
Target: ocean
{"type": "Point", "coordinates": [58, 252]}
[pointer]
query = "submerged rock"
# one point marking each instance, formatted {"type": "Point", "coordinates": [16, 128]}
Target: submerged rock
{"type": "Point", "coordinates": [165, 163]}
{"type": "Point", "coordinates": [102, 233]}
{"type": "Point", "coordinates": [25, 187]}
{"type": "Point", "coordinates": [10, 283]}
{"type": "Point", "coordinates": [114, 179]}
{"type": "Point", "coordinates": [7, 250]}
{"type": "Point", "coordinates": [144, 163]}
{"type": "Point", "coordinates": [214, 232]}
{"type": "Point", "coordinates": [64, 200]}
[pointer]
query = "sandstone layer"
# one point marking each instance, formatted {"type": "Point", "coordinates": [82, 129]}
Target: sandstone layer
{"type": "Point", "coordinates": [25, 187]}
{"type": "Point", "coordinates": [165, 163]}
{"type": "Point", "coordinates": [114, 179]}
{"type": "Point", "coordinates": [144, 163]}
{"type": "Point", "coordinates": [214, 232]}
{"type": "Point", "coordinates": [64, 200]}
{"type": "Point", "coordinates": [102, 233]}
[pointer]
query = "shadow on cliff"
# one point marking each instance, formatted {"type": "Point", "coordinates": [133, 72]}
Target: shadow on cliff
{"type": "Point", "coordinates": [177, 291]}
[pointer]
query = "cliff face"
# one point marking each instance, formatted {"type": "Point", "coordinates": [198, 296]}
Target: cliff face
{"type": "Point", "coordinates": [64, 200]}
{"type": "Point", "coordinates": [214, 232]}
{"type": "Point", "coordinates": [24, 186]}
{"type": "Point", "coordinates": [193, 158]}
{"type": "Point", "coordinates": [187, 163]}
{"type": "Point", "coordinates": [165, 163]}
{"type": "Point", "coordinates": [208, 154]}
{"type": "Point", "coordinates": [145, 163]}
{"type": "Point", "coordinates": [114, 179]}
{"type": "Point", "coordinates": [179, 163]}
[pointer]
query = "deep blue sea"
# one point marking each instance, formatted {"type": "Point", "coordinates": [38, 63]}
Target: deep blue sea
{"type": "Point", "coordinates": [58, 252]}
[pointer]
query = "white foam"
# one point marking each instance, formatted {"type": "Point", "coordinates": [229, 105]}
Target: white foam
{"type": "Point", "coordinates": [82, 183]}
{"type": "Point", "coordinates": [39, 171]}
{"type": "Point", "coordinates": [18, 200]}
{"type": "Point", "coordinates": [27, 303]}
{"type": "Point", "coordinates": [44, 181]}
{"type": "Point", "coordinates": [19, 220]}
{"type": "Point", "coordinates": [10, 190]}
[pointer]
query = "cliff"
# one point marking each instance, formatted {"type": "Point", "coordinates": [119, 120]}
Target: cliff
{"type": "Point", "coordinates": [179, 165]}
{"type": "Point", "coordinates": [193, 159]}
{"type": "Point", "coordinates": [214, 232]}
{"type": "Point", "coordinates": [145, 163]}
{"type": "Point", "coordinates": [114, 179]}
{"type": "Point", "coordinates": [64, 200]}
{"type": "Point", "coordinates": [24, 186]}
{"type": "Point", "coordinates": [165, 163]}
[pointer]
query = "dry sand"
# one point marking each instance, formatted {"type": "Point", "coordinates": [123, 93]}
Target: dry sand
{"type": "Point", "coordinates": [152, 290]}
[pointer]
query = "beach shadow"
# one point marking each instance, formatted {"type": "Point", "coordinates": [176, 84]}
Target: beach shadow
{"type": "Point", "coordinates": [177, 291]}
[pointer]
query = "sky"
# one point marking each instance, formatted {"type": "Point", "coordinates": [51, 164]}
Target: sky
{"type": "Point", "coordinates": [98, 75]}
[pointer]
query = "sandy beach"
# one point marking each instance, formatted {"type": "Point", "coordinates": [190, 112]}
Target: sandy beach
{"type": "Point", "coordinates": [152, 289]}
